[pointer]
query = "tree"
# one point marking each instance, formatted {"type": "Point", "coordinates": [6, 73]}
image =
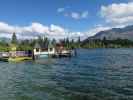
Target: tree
{"type": "Point", "coordinates": [78, 42]}
{"type": "Point", "coordinates": [104, 39]}
{"type": "Point", "coordinates": [40, 40]}
{"type": "Point", "coordinates": [67, 43]}
{"type": "Point", "coordinates": [14, 39]}
{"type": "Point", "coordinates": [46, 41]}
{"type": "Point", "coordinates": [53, 42]}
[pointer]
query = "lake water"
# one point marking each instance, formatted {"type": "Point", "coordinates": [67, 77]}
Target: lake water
{"type": "Point", "coordinates": [94, 74]}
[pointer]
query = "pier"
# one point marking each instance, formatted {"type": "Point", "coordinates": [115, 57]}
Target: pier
{"type": "Point", "coordinates": [15, 56]}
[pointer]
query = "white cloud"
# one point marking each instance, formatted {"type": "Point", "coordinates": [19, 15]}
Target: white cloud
{"type": "Point", "coordinates": [84, 14]}
{"type": "Point", "coordinates": [118, 13]}
{"type": "Point", "coordinates": [60, 10]}
{"type": "Point", "coordinates": [76, 34]}
{"type": "Point", "coordinates": [90, 32]}
{"type": "Point", "coordinates": [57, 29]}
{"type": "Point", "coordinates": [39, 28]}
{"type": "Point", "coordinates": [32, 30]}
{"type": "Point", "coordinates": [5, 28]}
{"type": "Point", "coordinates": [75, 15]}
{"type": "Point", "coordinates": [78, 15]}
{"type": "Point", "coordinates": [52, 31]}
{"type": "Point", "coordinates": [72, 14]}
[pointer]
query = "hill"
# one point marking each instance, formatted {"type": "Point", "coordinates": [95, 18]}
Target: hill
{"type": "Point", "coordinates": [115, 33]}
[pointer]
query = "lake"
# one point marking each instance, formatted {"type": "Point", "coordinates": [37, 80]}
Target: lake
{"type": "Point", "coordinates": [94, 74]}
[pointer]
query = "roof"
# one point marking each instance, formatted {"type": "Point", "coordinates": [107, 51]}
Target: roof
{"type": "Point", "coordinates": [37, 45]}
{"type": "Point", "coordinates": [59, 44]}
{"type": "Point", "coordinates": [50, 45]}
{"type": "Point", "coordinates": [45, 45]}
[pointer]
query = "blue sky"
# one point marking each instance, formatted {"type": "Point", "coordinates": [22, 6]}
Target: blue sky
{"type": "Point", "coordinates": [71, 15]}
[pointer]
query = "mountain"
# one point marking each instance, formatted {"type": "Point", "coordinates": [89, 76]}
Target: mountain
{"type": "Point", "coordinates": [115, 33]}
{"type": "Point", "coordinates": [4, 39]}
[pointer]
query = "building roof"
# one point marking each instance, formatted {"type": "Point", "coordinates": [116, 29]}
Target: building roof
{"type": "Point", "coordinates": [50, 45]}
{"type": "Point", "coordinates": [60, 45]}
{"type": "Point", "coordinates": [37, 45]}
{"type": "Point", "coordinates": [45, 45]}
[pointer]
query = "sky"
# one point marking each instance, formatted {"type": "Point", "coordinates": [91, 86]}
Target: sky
{"type": "Point", "coordinates": [62, 18]}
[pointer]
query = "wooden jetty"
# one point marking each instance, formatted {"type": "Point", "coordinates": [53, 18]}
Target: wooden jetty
{"type": "Point", "coordinates": [15, 56]}
{"type": "Point", "coordinates": [50, 51]}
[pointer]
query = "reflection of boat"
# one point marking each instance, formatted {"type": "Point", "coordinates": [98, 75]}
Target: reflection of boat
{"type": "Point", "coordinates": [45, 61]}
{"type": "Point", "coordinates": [18, 59]}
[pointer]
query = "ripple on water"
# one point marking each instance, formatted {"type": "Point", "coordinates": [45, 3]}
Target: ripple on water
{"type": "Point", "coordinates": [95, 74]}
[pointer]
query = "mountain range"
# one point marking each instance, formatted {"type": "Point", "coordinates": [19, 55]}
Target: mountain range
{"type": "Point", "coordinates": [115, 33]}
{"type": "Point", "coordinates": [4, 39]}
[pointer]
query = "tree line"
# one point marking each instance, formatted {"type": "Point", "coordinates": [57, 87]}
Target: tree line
{"type": "Point", "coordinates": [24, 45]}
{"type": "Point", "coordinates": [106, 43]}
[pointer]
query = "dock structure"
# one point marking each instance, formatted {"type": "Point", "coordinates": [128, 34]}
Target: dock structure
{"type": "Point", "coordinates": [46, 51]}
{"type": "Point", "coordinates": [4, 54]}
{"type": "Point", "coordinates": [15, 56]}
{"type": "Point", "coordinates": [54, 51]}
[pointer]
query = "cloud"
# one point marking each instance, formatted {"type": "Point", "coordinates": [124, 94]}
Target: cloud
{"type": "Point", "coordinates": [57, 29]}
{"type": "Point", "coordinates": [84, 14]}
{"type": "Point", "coordinates": [90, 32]}
{"type": "Point", "coordinates": [118, 13]}
{"type": "Point", "coordinates": [5, 28]}
{"type": "Point", "coordinates": [75, 15]}
{"type": "Point", "coordinates": [72, 14]}
{"type": "Point", "coordinates": [33, 30]}
{"type": "Point", "coordinates": [78, 15]}
{"type": "Point", "coordinates": [60, 10]}
{"type": "Point", "coordinates": [36, 29]}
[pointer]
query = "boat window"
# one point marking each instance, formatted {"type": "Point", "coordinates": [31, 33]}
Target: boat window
{"type": "Point", "coordinates": [51, 49]}
{"type": "Point", "coordinates": [37, 49]}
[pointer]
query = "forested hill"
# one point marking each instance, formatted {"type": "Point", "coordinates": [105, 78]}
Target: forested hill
{"type": "Point", "coordinates": [115, 33]}
{"type": "Point", "coordinates": [114, 38]}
